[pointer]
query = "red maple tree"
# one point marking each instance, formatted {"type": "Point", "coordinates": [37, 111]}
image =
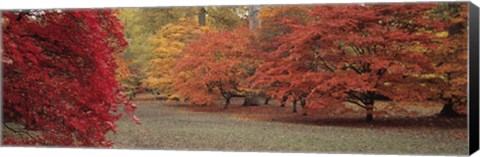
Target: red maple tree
{"type": "Point", "coordinates": [217, 64]}
{"type": "Point", "coordinates": [59, 77]}
{"type": "Point", "coordinates": [354, 53]}
{"type": "Point", "coordinates": [450, 59]}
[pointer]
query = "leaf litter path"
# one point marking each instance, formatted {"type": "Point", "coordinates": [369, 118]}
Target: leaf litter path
{"type": "Point", "coordinates": [168, 126]}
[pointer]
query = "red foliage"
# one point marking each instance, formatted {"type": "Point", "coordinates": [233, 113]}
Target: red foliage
{"type": "Point", "coordinates": [354, 53]}
{"type": "Point", "coordinates": [59, 77]}
{"type": "Point", "coordinates": [217, 63]}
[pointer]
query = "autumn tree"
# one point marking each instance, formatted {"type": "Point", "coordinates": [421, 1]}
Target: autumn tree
{"type": "Point", "coordinates": [170, 39]}
{"type": "Point", "coordinates": [169, 42]}
{"type": "Point", "coordinates": [356, 54]}
{"type": "Point", "coordinates": [59, 77]}
{"type": "Point", "coordinates": [216, 64]}
{"type": "Point", "coordinates": [277, 21]}
{"type": "Point", "coordinates": [140, 25]}
{"type": "Point", "coordinates": [450, 59]}
{"type": "Point", "coordinates": [225, 18]}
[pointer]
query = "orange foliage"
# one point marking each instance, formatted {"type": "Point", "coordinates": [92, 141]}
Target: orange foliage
{"type": "Point", "coordinates": [217, 63]}
{"type": "Point", "coordinates": [356, 54]}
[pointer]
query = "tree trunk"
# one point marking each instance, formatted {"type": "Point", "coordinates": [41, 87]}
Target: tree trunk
{"type": "Point", "coordinates": [294, 105]}
{"type": "Point", "coordinates": [227, 102]}
{"type": "Point", "coordinates": [267, 100]}
{"type": "Point", "coordinates": [245, 101]}
{"type": "Point", "coordinates": [303, 103]}
{"type": "Point", "coordinates": [283, 101]}
{"type": "Point", "coordinates": [369, 108]}
{"type": "Point", "coordinates": [202, 17]}
{"type": "Point", "coordinates": [253, 20]}
{"type": "Point", "coordinates": [448, 111]}
{"type": "Point", "coordinates": [251, 101]}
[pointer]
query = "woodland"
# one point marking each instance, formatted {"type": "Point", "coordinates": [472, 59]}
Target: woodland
{"type": "Point", "coordinates": [77, 77]}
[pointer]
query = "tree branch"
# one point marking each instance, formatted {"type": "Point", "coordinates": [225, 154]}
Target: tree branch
{"type": "Point", "coordinates": [354, 69]}
{"type": "Point", "coordinates": [351, 94]}
{"type": "Point", "coordinates": [358, 104]}
{"type": "Point", "coordinates": [326, 65]}
{"type": "Point", "coordinates": [22, 132]}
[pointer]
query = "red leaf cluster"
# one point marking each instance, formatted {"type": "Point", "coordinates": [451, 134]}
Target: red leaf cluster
{"type": "Point", "coordinates": [354, 53]}
{"type": "Point", "coordinates": [59, 79]}
{"type": "Point", "coordinates": [217, 62]}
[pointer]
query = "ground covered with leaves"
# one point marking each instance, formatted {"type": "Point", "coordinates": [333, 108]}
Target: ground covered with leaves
{"type": "Point", "coordinates": [176, 126]}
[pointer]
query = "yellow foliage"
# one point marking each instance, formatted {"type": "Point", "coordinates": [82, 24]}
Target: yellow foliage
{"type": "Point", "coordinates": [122, 71]}
{"type": "Point", "coordinates": [450, 58]}
{"type": "Point", "coordinates": [169, 42]}
{"type": "Point", "coordinates": [442, 34]}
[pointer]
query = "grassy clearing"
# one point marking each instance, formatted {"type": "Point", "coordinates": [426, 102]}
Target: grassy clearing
{"type": "Point", "coordinates": [172, 126]}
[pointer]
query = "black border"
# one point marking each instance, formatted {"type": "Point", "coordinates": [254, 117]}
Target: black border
{"type": "Point", "coordinates": [473, 79]}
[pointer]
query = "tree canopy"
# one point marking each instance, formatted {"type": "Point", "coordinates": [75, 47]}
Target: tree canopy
{"type": "Point", "coordinates": [57, 64]}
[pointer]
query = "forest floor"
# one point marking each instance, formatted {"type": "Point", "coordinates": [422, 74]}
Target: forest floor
{"type": "Point", "coordinates": [169, 125]}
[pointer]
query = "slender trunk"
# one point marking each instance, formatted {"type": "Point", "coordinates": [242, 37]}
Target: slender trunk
{"type": "Point", "coordinates": [227, 102]}
{"type": "Point", "coordinates": [251, 101]}
{"type": "Point", "coordinates": [253, 20]}
{"type": "Point", "coordinates": [303, 103]}
{"type": "Point", "coordinates": [294, 105]}
{"type": "Point", "coordinates": [245, 101]}
{"type": "Point", "coordinates": [448, 111]}
{"type": "Point", "coordinates": [202, 17]}
{"type": "Point", "coordinates": [283, 101]}
{"type": "Point", "coordinates": [266, 100]}
{"type": "Point", "coordinates": [369, 108]}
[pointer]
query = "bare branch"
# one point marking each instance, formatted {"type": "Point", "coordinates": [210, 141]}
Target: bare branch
{"type": "Point", "coordinates": [356, 103]}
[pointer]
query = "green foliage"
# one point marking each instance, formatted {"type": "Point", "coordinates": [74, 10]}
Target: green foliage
{"type": "Point", "coordinates": [228, 18]}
